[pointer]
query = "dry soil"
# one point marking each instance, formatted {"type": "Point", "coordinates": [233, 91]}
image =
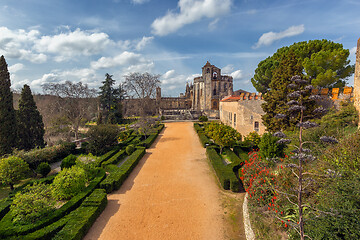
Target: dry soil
{"type": "Point", "coordinates": [171, 194]}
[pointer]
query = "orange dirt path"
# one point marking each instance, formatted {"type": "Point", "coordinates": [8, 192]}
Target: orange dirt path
{"type": "Point", "coordinates": [171, 194]}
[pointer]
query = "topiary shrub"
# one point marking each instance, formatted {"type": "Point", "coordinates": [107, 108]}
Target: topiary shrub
{"type": "Point", "coordinates": [32, 204]}
{"type": "Point", "coordinates": [68, 183]}
{"type": "Point", "coordinates": [129, 149]}
{"type": "Point", "coordinates": [203, 118]}
{"type": "Point", "coordinates": [43, 169]}
{"type": "Point", "coordinates": [68, 162]}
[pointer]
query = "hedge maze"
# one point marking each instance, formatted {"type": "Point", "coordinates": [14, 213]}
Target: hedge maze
{"type": "Point", "coordinates": [73, 219]}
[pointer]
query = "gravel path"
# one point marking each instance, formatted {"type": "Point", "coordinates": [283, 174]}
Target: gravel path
{"type": "Point", "coordinates": [171, 194]}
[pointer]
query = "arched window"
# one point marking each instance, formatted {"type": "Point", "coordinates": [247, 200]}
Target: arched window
{"type": "Point", "coordinates": [215, 75]}
{"type": "Point", "coordinates": [214, 92]}
{"type": "Point", "coordinates": [208, 70]}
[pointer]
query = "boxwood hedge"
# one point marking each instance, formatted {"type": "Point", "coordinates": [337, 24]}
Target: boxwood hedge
{"type": "Point", "coordinates": [118, 174]}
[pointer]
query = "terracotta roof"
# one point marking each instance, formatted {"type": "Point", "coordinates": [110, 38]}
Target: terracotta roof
{"type": "Point", "coordinates": [231, 99]}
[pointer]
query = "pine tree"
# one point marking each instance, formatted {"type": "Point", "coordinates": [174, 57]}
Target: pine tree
{"type": "Point", "coordinates": [276, 98]}
{"type": "Point", "coordinates": [30, 124]}
{"type": "Point", "coordinates": [110, 99]}
{"type": "Point", "coordinates": [7, 112]}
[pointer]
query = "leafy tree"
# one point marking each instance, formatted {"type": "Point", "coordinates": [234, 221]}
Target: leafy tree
{"type": "Point", "coordinates": [68, 183]}
{"type": "Point", "coordinates": [224, 136]}
{"type": "Point", "coordinates": [32, 204]}
{"type": "Point", "coordinates": [74, 100]}
{"type": "Point", "coordinates": [102, 137]}
{"type": "Point", "coordinates": [7, 112]}
{"type": "Point", "coordinates": [143, 87]}
{"type": "Point", "coordinates": [30, 124]}
{"type": "Point", "coordinates": [276, 97]}
{"type": "Point", "coordinates": [12, 169]}
{"type": "Point", "coordinates": [269, 148]}
{"type": "Point", "coordinates": [254, 138]}
{"type": "Point", "coordinates": [110, 100]}
{"type": "Point", "coordinates": [324, 61]}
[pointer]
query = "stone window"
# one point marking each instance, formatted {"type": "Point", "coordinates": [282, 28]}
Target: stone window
{"type": "Point", "coordinates": [208, 70]}
{"type": "Point", "coordinates": [214, 92]}
{"type": "Point", "coordinates": [256, 126]}
{"type": "Point", "coordinates": [234, 119]}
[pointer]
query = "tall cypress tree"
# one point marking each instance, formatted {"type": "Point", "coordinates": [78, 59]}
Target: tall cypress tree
{"type": "Point", "coordinates": [276, 98]}
{"type": "Point", "coordinates": [30, 124]}
{"type": "Point", "coordinates": [7, 112]}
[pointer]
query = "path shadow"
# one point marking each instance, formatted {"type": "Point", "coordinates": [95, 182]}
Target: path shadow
{"type": "Point", "coordinates": [111, 209]}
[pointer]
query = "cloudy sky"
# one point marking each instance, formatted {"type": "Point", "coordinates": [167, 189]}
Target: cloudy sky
{"type": "Point", "coordinates": [81, 40]}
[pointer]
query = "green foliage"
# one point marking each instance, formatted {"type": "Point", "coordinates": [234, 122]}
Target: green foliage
{"type": "Point", "coordinates": [276, 98]}
{"type": "Point", "coordinates": [162, 118]}
{"type": "Point", "coordinates": [114, 159]}
{"type": "Point", "coordinates": [345, 116]}
{"type": "Point", "coordinates": [254, 138]}
{"type": "Point", "coordinates": [80, 220]}
{"type": "Point", "coordinates": [119, 174]}
{"type": "Point", "coordinates": [68, 162]}
{"type": "Point", "coordinates": [48, 154]}
{"type": "Point", "coordinates": [89, 163]}
{"type": "Point", "coordinates": [7, 112]}
{"type": "Point", "coordinates": [12, 169]}
{"type": "Point", "coordinates": [340, 197]}
{"type": "Point", "coordinates": [68, 183]}
{"type": "Point", "coordinates": [269, 148]}
{"type": "Point", "coordinates": [129, 149]}
{"type": "Point", "coordinates": [222, 135]}
{"type": "Point", "coordinates": [203, 118]}
{"type": "Point", "coordinates": [102, 137]}
{"type": "Point", "coordinates": [324, 61]}
{"type": "Point", "coordinates": [32, 204]}
{"type": "Point", "coordinates": [30, 124]}
{"type": "Point", "coordinates": [43, 169]}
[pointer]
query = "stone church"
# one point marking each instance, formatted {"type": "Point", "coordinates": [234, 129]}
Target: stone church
{"type": "Point", "coordinates": [200, 98]}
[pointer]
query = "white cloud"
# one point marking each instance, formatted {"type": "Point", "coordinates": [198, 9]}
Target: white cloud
{"type": "Point", "coordinates": [353, 51]}
{"type": "Point", "coordinates": [16, 67]}
{"type": "Point", "coordinates": [143, 42]}
{"type": "Point", "coordinates": [268, 38]}
{"type": "Point", "coordinates": [18, 44]}
{"type": "Point", "coordinates": [78, 42]}
{"type": "Point", "coordinates": [237, 75]}
{"type": "Point", "coordinates": [139, 1]}
{"type": "Point", "coordinates": [190, 12]}
{"type": "Point", "coordinates": [125, 58]}
{"type": "Point", "coordinates": [213, 25]}
{"type": "Point", "coordinates": [227, 69]}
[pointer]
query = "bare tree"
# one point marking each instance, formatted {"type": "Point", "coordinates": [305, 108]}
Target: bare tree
{"type": "Point", "coordinates": [75, 101]}
{"type": "Point", "coordinates": [142, 86]}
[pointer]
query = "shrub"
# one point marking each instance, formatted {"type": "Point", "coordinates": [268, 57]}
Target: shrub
{"type": "Point", "coordinates": [162, 118]}
{"type": "Point", "coordinates": [31, 204]}
{"type": "Point", "coordinates": [68, 183]}
{"type": "Point", "coordinates": [269, 148]}
{"type": "Point", "coordinates": [129, 149]}
{"type": "Point", "coordinates": [254, 138]}
{"type": "Point", "coordinates": [68, 162]}
{"type": "Point", "coordinates": [119, 174]}
{"type": "Point", "coordinates": [43, 169]}
{"type": "Point", "coordinates": [203, 118]}
{"type": "Point", "coordinates": [102, 137]}
{"type": "Point", "coordinates": [12, 169]}
{"type": "Point", "coordinates": [114, 159]}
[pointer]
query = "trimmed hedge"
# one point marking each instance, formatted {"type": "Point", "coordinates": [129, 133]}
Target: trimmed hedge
{"type": "Point", "coordinates": [149, 140]}
{"type": "Point", "coordinates": [224, 172]}
{"type": "Point", "coordinates": [7, 229]}
{"type": "Point", "coordinates": [80, 220]}
{"type": "Point", "coordinates": [107, 156]}
{"type": "Point", "coordinates": [114, 159]}
{"type": "Point", "coordinates": [4, 206]}
{"type": "Point", "coordinates": [233, 157]}
{"type": "Point", "coordinates": [49, 154]}
{"type": "Point", "coordinates": [118, 174]}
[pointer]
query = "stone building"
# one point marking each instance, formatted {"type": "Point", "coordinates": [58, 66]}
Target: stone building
{"type": "Point", "coordinates": [243, 113]}
{"type": "Point", "coordinates": [209, 89]}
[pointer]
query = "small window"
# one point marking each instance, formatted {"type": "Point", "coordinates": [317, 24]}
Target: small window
{"type": "Point", "coordinates": [234, 119]}
{"type": "Point", "coordinates": [208, 70]}
{"type": "Point", "coordinates": [256, 126]}
{"type": "Point", "coordinates": [214, 92]}
{"type": "Point", "coordinates": [215, 75]}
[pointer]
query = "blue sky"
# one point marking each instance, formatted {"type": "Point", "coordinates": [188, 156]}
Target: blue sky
{"type": "Point", "coordinates": [55, 41]}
